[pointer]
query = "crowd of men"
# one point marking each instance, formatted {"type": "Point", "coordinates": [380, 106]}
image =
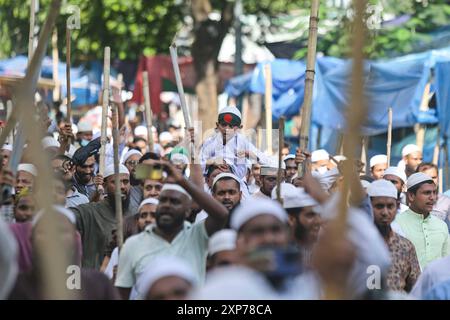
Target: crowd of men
{"type": "Point", "coordinates": [220, 228]}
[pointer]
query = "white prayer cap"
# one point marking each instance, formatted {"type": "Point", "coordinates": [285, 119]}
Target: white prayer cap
{"type": "Point", "coordinates": [225, 175]}
{"type": "Point", "coordinates": [289, 156]}
{"type": "Point", "coordinates": [109, 170]}
{"type": "Point", "coordinates": [140, 131]}
{"type": "Point", "coordinates": [271, 167]}
{"type": "Point", "coordinates": [27, 167]}
{"type": "Point", "coordinates": [255, 207]}
{"type": "Point", "coordinates": [340, 158]}
{"type": "Point", "coordinates": [231, 109]}
{"type": "Point", "coordinates": [382, 188]}
{"type": "Point", "coordinates": [50, 142]}
{"type": "Point", "coordinates": [166, 136]}
{"type": "Point", "coordinates": [74, 128]}
{"type": "Point", "coordinates": [8, 147]}
{"type": "Point", "coordinates": [179, 158]}
{"type": "Point", "coordinates": [365, 184]}
{"type": "Point", "coordinates": [395, 171]}
{"type": "Point", "coordinates": [409, 148]}
{"type": "Point", "coordinates": [320, 154]}
{"type": "Point", "coordinates": [84, 126]}
{"type": "Point", "coordinates": [221, 241]}
{"type": "Point", "coordinates": [130, 153]}
{"type": "Point", "coordinates": [148, 201]}
{"type": "Point", "coordinates": [417, 178]}
{"type": "Point", "coordinates": [175, 187]}
{"type": "Point", "coordinates": [293, 197]}
{"type": "Point", "coordinates": [59, 209]}
{"type": "Point", "coordinates": [161, 267]}
{"type": "Point", "coordinates": [378, 159]}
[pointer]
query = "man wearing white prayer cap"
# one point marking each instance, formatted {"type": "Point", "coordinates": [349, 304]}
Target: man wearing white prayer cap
{"type": "Point", "coordinates": [97, 220]}
{"type": "Point", "coordinates": [85, 132]}
{"type": "Point", "coordinates": [291, 167]}
{"type": "Point", "coordinates": [172, 234]}
{"type": "Point", "coordinates": [226, 188]}
{"type": "Point", "coordinates": [268, 177]}
{"type": "Point", "coordinates": [304, 218]}
{"type": "Point", "coordinates": [146, 212]}
{"type": "Point", "coordinates": [428, 234]}
{"type": "Point", "coordinates": [398, 178]}
{"type": "Point", "coordinates": [26, 175]}
{"type": "Point", "coordinates": [222, 249]}
{"type": "Point", "coordinates": [378, 164]}
{"type": "Point", "coordinates": [6, 154]}
{"type": "Point", "coordinates": [260, 224]}
{"type": "Point", "coordinates": [228, 146]}
{"type": "Point", "coordinates": [411, 157]}
{"type": "Point", "coordinates": [404, 269]}
{"type": "Point", "coordinates": [320, 161]}
{"type": "Point", "coordinates": [131, 160]}
{"type": "Point", "coordinates": [166, 278]}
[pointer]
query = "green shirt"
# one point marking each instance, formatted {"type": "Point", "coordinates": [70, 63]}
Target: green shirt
{"type": "Point", "coordinates": [190, 244]}
{"type": "Point", "coordinates": [429, 236]}
{"type": "Point", "coordinates": [95, 222]}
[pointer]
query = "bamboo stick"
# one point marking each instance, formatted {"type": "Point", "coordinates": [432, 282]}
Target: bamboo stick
{"type": "Point", "coordinates": [69, 102]}
{"type": "Point", "coordinates": [420, 128]}
{"type": "Point", "coordinates": [9, 108]}
{"type": "Point", "coordinates": [31, 33]}
{"type": "Point", "coordinates": [148, 111]}
{"type": "Point", "coordinates": [117, 182]}
{"type": "Point", "coordinates": [356, 115]}
{"type": "Point", "coordinates": [103, 140]}
{"type": "Point", "coordinates": [389, 138]}
{"type": "Point", "coordinates": [437, 148]}
{"type": "Point", "coordinates": [176, 69]}
{"type": "Point", "coordinates": [268, 104]}
{"type": "Point", "coordinates": [309, 74]}
{"type": "Point", "coordinates": [280, 157]}
{"type": "Point", "coordinates": [55, 62]}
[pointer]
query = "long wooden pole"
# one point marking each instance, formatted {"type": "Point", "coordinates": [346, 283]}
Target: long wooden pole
{"type": "Point", "coordinates": [420, 128]}
{"type": "Point", "coordinates": [117, 193]}
{"type": "Point", "coordinates": [176, 70]}
{"type": "Point", "coordinates": [69, 100]}
{"type": "Point", "coordinates": [55, 62]}
{"type": "Point", "coordinates": [437, 148]}
{"type": "Point", "coordinates": [103, 139]}
{"type": "Point", "coordinates": [309, 74]}
{"type": "Point", "coordinates": [268, 104]}
{"type": "Point", "coordinates": [9, 108]}
{"type": "Point", "coordinates": [356, 115]}
{"type": "Point", "coordinates": [389, 138]}
{"type": "Point", "coordinates": [280, 156]}
{"type": "Point", "coordinates": [31, 33]}
{"type": "Point", "coordinates": [148, 110]}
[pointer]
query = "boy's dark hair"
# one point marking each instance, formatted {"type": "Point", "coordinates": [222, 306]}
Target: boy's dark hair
{"type": "Point", "coordinates": [149, 156]}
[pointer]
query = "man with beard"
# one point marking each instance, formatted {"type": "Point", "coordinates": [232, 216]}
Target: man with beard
{"type": "Point", "coordinates": [83, 179]}
{"type": "Point", "coordinates": [228, 146]}
{"type": "Point", "coordinates": [172, 234]}
{"type": "Point", "coordinates": [404, 270]}
{"type": "Point", "coordinates": [65, 166]}
{"type": "Point", "coordinates": [411, 158]}
{"type": "Point", "coordinates": [131, 160]}
{"type": "Point", "coordinates": [428, 233]}
{"type": "Point", "coordinates": [304, 218]}
{"type": "Point", "coordinates": [226, 189]}
{"type": "Point", "coordinates": [97, 220]}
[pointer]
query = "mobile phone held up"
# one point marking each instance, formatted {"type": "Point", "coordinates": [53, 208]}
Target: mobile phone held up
{"type": "Point", "coordinates": [146, 171]}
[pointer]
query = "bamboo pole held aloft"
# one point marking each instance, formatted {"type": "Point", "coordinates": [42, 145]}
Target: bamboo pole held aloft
{"type": "Point", "coordinates": [31, 33]}
{"type": "Point", "coordinates": [117, 181]}
{"type": "Point", "coordinates": [355, 116]}
{"type": "Point", "coordinates": [148, 110]}
{"type": "Point", "coordinates": [55, 62]}
{"type": "Point", "coordinates": [437, 147]}
{"type": "Point", "coordinates": [268, 104]}
{"type": "Point", "coordinates": [309, 74]}
{"type": "Point", "coordinates": [389, 138]}
{"type": "Point", "coordinates": [69, 101]}
{"type": "Point", "coordinates": [103, 139]}
{"type": "Point", "coordinates": [280, 157]}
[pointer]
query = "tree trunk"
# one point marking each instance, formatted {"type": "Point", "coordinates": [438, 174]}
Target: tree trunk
{"type": "Point", "coordinates": [209, 35]}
